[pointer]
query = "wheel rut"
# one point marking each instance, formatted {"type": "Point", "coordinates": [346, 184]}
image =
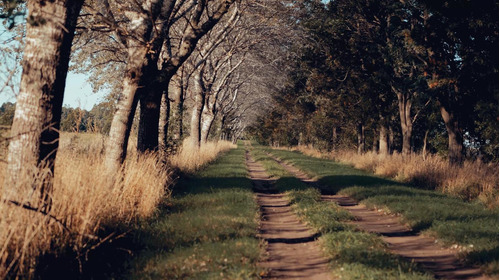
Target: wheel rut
{"type": "Point", "coordinates": [400, 239]}
{"type": "Point", "coordinates": [292, 250]}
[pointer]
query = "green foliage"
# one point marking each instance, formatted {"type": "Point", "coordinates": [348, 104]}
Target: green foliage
{"type": "Point", "coordinates": [363, 53]}
{"type": "Point", "coordinates": [101, 116]}
{"type": "Point", "coordinates": [7, 113]}
{"type": "Point", "coordinates": [74, 119]}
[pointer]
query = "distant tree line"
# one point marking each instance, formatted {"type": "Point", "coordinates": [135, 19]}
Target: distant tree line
{"type": "Point", "coordinates": [387, 76]}
{"type": "Point", "coordinates": [97, 120]}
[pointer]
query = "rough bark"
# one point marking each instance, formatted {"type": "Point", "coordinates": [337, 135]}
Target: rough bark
{"type": "Point", "coordinates": [334, 138]}
{"type": "Point", "coordinates": [139, 30]}
{"type": "Point", "coordinates": [424, 149]}
{"type": "Point", "coordinates": [199, 104]}
{"type": "Point", "coordinates": [383, 148]}
{"type": "Point", "coordinates": [223, 135]}
{"type": "Point", "coordinates": [192, 34]}
{"type": "Point", "coordinates": [404, 106]}
{"type": "Point", "coordinates": [207, 120]}
{"type": "Point", "coordinates": [35, 129]}
{"type": "Point", "coordinates": [147, 138]}
{"type": "Point", "coordinates": [455, 138]}
{"type": "Point", "coordinates": [116, 148]}
{"type": "Point", "coordinates": [375, 141]}
{"type": "Point", "coordinates": [163, 125]}
{"type": "Point", "coordinates": [178, 108]}
{"type": "Point", "coordinates": [361, 138]}
{"type": "Point", "coordinates": [391, 140]}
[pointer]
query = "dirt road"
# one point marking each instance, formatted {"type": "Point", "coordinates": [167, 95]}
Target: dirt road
{"type": "Point", "coordinates": [401, 240]}
{"type": "Point", "coordinates": [292, 249]}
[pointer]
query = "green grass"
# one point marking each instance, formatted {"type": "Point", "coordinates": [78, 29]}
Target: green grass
{"type": "Point", "coordinates": [284, 181]}
{"type": "Point", "coordinates": [206, 230]}
{"type": "Point", "coordinates": [353, 254]}
{"type": "Point", "coordinates": [450, 220]}
{"type": "Point", "coordinates": [324, 217]}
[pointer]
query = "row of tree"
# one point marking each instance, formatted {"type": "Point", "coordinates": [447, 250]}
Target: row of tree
{"type": "Point", "coordinates": [161, 56]}
{"type": "Point", "coordinates": [403, 75]}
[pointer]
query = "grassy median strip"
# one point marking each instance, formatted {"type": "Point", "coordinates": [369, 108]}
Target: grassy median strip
{"type": "Point", "coordinates": [284, 180]}
{"type": "Point", "coordinates": [353, 254]}
{"type": "Point", "coordinates": [207, 229]}
{"type": "Point", "coordinates": [469, 226]}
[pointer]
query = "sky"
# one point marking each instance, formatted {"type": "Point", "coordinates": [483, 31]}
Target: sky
{"type": "Point", "coordinates": [78, 91]}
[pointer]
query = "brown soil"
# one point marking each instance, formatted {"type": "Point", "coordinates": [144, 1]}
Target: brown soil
{"type": "Point", "coordinates": [292, 250]}
{"type": "Point", "coordinates": [401, 240]}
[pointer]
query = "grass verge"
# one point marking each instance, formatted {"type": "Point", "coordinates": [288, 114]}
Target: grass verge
{"type": "Point", "coordinates": [353, 254]}
{"type": "Point", "coordinates": [472, 181]}
{"type": "Point", "coordinates": [283, 180]}
{"type": "Point", "coordinates": [207, 230]}
{"type": "Point", "coordinates": [91, 218]}
{"type": "Point", "coordinates": [470, 227]}
{"type": "Point", "coordinates": [84, 205]}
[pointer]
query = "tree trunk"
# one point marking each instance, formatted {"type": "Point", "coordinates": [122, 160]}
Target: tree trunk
{"type": "Point", "coordinates": [207, 121]}
{"type": "Point", "coordinates": [334, 138]}
{"type": "Point", "coordinates": [199, 104]}
{"type": "Point", "coordinates": [424, 149]}
{"type": "Point", "coordinates": [147, 138]}
{"type": "Point", "coordinates": [35, 128]}
{"type": "Point", "coordinates": [404, 105]}
{"type": "Point", "coordinates": [375, 141]}
{"type": "Point", "coordinates": [116, 149]}
{"type": "Point", "coordinates": [383, 148]}
{"type": "Point", "coordinates": [164, 122]}
{"type": "Point", "coordinates": [455, 139]}
{"type": "Point", "coordinates": [361, 139]}
{"type": "Point", "coordinates": [137, 62]}
{"type": "Point", "coordinates": [391, 140]}
{"type": "Point", "coordinates": [178, 108]}
{"type": "Point", "coordinates": [223, 135]}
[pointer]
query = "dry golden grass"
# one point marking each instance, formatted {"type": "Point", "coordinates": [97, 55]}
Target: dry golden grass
{"type": "Point", "coordinates": [84, 200]}
{"type": "Point", "coordinates": [473, 180]}
{"type": "Point", "coordinates": [190, 157]}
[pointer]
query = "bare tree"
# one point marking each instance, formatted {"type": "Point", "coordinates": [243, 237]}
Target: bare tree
{"type": "Point", "coordinates": [155, 37]}
{"type": "Point", "coordinates": [201, 18]}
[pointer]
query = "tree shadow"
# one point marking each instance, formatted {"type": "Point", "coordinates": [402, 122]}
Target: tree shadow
{"type": "Point", "coordinates": [114, 259]}
{"type": "Point", "coordinates": [333, 184]}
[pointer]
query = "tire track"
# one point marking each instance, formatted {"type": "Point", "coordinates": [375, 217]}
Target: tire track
{"type": "Point", "coordinates": [292, 250]}
{"type": "Point", "coordinates": [401, 240]}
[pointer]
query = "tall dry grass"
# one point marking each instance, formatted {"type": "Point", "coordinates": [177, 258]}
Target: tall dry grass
{"type": "Point", "coordinates": [84, 201]}
{"type": "Point", "coordinates": [191, 157]}
{"type": "Point", "coordinates": [473, 180]}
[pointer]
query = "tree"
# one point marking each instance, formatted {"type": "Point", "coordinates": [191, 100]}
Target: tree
{"type": "Point", "coordinates": [7, 114]}
{"type": "Point", "coordinates": [157, 37]}
{"type": "Point", "coordinates": [35, 129]}
{"type": "Point", "coordinates": [461, 44]}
